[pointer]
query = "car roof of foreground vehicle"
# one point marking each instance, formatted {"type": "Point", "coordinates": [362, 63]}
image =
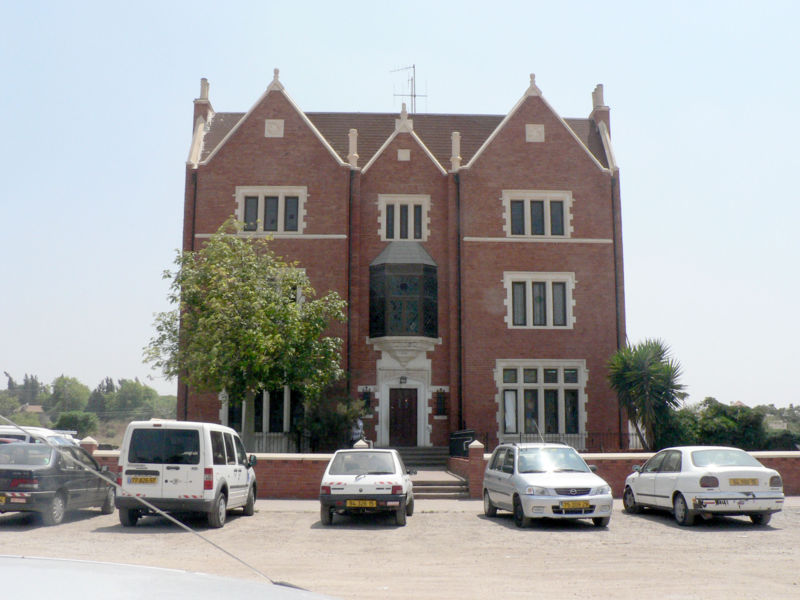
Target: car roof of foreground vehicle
{"type": "Point", "coordinates": [536, 445]}
{"type": "Point", "coordinates": [76, 579]}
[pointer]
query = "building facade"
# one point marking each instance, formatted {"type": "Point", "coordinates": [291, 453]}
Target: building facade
{"type": "Point", "coordinates": [480, 255]}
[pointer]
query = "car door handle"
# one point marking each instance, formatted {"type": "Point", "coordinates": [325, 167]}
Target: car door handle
{"type": "Point", "coordinates": [171, 468]}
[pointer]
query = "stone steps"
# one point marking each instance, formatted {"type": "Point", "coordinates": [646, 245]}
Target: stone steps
{"type": "Point", "coordinates": [445, 489]}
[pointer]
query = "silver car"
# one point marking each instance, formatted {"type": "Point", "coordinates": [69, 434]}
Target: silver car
{"type": "Point", "coordinates": [536, 481]}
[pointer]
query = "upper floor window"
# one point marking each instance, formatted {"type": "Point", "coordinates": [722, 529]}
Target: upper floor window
{"type": "Point", "coordinates": [539, 300]}
{"type": "Point", "coordinates": [403, 217]}
{"type": "Point", "coordinates": [272, 210]}
{"type": "Point", "coordinates": [531, 213]}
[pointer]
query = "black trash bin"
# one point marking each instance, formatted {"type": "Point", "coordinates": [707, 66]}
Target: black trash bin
{"type": "Point", "coordinates": [460, 441]}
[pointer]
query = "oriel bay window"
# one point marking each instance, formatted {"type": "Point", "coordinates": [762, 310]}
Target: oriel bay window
{"type": "Point", "coordinates": [403, 293]}
{"type": "Point", "coordinates": [541, 398]}
{"type": "Point", "coordinates": [539, 300]}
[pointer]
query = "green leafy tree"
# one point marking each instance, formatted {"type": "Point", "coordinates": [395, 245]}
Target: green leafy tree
{"type": "Point", "coordinates": [731, 425]}
{"type": "Point", "coordinates": [101, 398]}
{"type": "Point", "coordinates": [69, 394]}
{"type": "Point", "coordinates": [8, 404]}
{"type": "Point", "coordinates": [84, 423]}
{"type": "Point", "coordinates": [165, 407]}
{"type": "Point", "coordinates": [30, 391]}
{"type": "Point", "coordinates": [645, 378]}
{"type": "Point", "coordinates": [133, 400]}
{"type": "Point", "coordinates": [238, 325]}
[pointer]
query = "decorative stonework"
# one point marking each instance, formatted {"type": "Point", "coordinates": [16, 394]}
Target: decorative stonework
{"type": "Point", "coordinates": [273, 128]}
{"type": "Point", "coordinates": [403, 154]}
{"type": "Point", "coordinates": [534, 132]}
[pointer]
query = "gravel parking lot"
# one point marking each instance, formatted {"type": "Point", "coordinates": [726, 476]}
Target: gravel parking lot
{"type": "Point", "coordinates": [449, 550]}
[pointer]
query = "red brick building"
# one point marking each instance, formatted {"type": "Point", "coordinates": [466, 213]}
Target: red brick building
{"type": "Point", "coordinates": [480, 255]}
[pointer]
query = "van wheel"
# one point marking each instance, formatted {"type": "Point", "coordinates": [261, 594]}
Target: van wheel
{"type": "Point", "coordinates": [216, 517]}
{"type": "Point", "coordinates": [128, 516]}
{"type": "Point", "coordinates": [108, 503]}
{"type": "Point", "coordinates": [249, 508]}
{"type": "Point", "coordinates": [54, 513]}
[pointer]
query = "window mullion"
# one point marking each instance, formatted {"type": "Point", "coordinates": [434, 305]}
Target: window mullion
{"type": "Point", "coordinates": [547, 230]}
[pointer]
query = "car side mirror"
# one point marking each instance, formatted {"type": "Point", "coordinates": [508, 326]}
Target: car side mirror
{"type": "Point", "coordinates": [411, 471]}
{"type": "Point", "coordinates": [593, 468]}
{"type": "Point", "coordinates": [637, 468]}
{"type": "Point", "coordinates": [252, 461]}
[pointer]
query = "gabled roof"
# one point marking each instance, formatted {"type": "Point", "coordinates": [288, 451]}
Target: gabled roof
{"type": "Point", "coordinates": [375, 128]}
{"type": "Point", "coordinates": [274, 86]}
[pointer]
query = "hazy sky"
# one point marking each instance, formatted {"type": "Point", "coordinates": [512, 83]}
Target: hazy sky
{"type": "Point", "coordinates": [96, 104]}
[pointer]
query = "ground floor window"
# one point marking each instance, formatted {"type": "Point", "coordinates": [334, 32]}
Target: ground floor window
{"type": "Point", "coordinates": [277, 411]}
{"type": "Point", "coordinates": [541, 397]}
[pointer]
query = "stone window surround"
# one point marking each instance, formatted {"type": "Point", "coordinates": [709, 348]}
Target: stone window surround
{"type": "Point", "coordinates": [423, 200]}
{"type": "Point", "coordinates": [528, 277]}
{"type": "Point", "coordinates": [520, 386]}
{"type": "Point", "coordinates": [544, 195]}
{"type": "Point", "coordinates": [281, 192]}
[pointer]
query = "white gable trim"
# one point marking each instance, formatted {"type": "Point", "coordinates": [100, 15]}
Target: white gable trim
{"type": "Point", "coordinates": [419, 142]}
{"type": "Point", "coordinates": [276, 86]}
{"type": "Point", "coordinates": [532, 91]}
{"type": "Point", "coordinates": [197, 142]}
{"type": "Point", "coordinates": [605, 136]}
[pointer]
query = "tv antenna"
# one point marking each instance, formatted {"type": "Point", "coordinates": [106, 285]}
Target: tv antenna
{"type": "Point", "coordinates": [412, 78]}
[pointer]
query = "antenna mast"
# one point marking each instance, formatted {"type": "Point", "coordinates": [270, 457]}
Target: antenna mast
{"type": "Point", "coordinates": [412, 79]}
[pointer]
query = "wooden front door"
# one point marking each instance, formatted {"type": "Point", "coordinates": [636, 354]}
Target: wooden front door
{"type": "Point", "coordinates": [402, 417]}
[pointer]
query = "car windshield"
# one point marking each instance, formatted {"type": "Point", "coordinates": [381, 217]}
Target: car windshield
{"type": "Point", "coordinates": [723, 457]}
{"type": "Point", "coordinates": [29, 455]}
{"type": "Point", "coordinates": [362, 463]}
{"type": "Point", "coordinates": [542, 460]}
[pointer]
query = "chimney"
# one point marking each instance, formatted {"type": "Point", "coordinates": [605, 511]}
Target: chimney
{"type": "Point", "coordinates": [352, 154]}
{"type": "Point", "coordinates": [202, 105]}
{"type": "Point", "coordinates": [455, 155]}
{"type": "Point", "coordinates": [600, 112]}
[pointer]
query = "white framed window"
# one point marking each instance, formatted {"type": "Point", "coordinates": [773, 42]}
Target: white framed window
{"type": "Point", "coordinates": [403, 217]}
{"type": "Point", "coordinates": [539, 300]}
{"type": "Point", "coordinates": [272, 210]}
{"type": "Point", "coordinates": [541, 398]}
{"type": "Point", "coordinates": [537, 213]}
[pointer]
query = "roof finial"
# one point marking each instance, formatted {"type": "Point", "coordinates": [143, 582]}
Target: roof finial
{"type": "Point", "coordinates": [533, 89]}
{"type": "Point", "coordinates": [275, 84]}
{"type": "Point", "coordinates": [404, 123]}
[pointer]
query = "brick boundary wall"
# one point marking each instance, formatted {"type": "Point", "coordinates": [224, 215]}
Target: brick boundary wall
{"type": "Point", "coordinates": [297, 476]}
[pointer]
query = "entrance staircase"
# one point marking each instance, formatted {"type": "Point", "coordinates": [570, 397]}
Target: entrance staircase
{"type": "Point", "coordinates": [432, 479]}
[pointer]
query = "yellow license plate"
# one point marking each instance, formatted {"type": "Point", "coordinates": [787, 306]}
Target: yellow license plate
{"type": "Point", "coordinates": [142, 480]}
{"type": "Point", "coordinates": [361, 504]}
{"type": "Point", "coordinates": [743, 481]}
{"type": "Point", "coordinates": [2, 499]}
{"type": "Point", "coordinates": [575, 504]}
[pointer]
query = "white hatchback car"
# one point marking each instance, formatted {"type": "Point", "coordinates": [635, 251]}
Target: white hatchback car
{"type": "Point", "coordinates": [366, 480]}
{"type": "Point", "coordinates": [705, 481]}
{"type": "Point", "coordinates": [544, 480]}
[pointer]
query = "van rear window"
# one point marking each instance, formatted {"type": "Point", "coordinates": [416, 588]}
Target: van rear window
{"type": "Point", "coordinates": [165, 446]}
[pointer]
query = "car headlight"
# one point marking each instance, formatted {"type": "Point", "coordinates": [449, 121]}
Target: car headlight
{"type": "Point", "coordinates": [535, 490]}
{"type": "Point", "coordinates": [603, 489]}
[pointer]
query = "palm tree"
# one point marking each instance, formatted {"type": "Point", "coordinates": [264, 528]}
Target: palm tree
{"type": "Point", "coordinates": [645, 378]}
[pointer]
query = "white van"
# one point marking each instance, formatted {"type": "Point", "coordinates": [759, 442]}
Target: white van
{"type": "Point", "coordinates": [184, 466]}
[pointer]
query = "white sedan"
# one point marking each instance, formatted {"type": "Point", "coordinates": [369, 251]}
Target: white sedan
{"type": "Point", "coordinates": [366, 481]}
{"type": "Point", "coordinates": [705, 481]}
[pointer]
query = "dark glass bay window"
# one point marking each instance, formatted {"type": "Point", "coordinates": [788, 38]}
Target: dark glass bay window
{"type": "Point", "coordinates": [403, 300]}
